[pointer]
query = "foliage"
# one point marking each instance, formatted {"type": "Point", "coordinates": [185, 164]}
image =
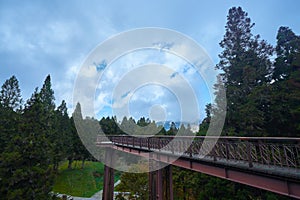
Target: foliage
{"type": "Point", "coordinates": [26, 159]}
{"type": "Point", "coordinates": [77, 181]}
{"type": "Point", "coordinates": [135, 183]}
{"type": "Point", "coordinates": [263, 99]}
{"type": "Point", "coordinates": [10, 94]}
{"type": "Point", "coordinates": [245, 62]}
{"type": "Point", "coordinates": [34, 139]}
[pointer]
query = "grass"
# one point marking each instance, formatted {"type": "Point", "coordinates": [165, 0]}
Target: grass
{"type": "Point", "coordinates": [80, 182]}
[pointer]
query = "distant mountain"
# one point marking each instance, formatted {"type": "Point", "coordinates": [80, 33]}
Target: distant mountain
{"type": "Point", "coordinates": [167, 125]}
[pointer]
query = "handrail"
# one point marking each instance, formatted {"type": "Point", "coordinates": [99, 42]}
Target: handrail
{"type": "Point", "coordinates": [269, 151]}
{"type": "Point", "coordinates": [210, 137]}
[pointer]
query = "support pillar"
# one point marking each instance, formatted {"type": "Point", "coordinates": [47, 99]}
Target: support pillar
{"type": "Point", "coordinates": [169, 183]}
{"type": "Point", "coordinates": [161, 184]}
{"type": "Point", "coordinates": [108, 180]}
{"type": "Point", "coordinates": [152, 185]}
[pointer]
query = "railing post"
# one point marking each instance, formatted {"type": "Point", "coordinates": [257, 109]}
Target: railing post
{"type": "Point", "coordinates": [172, 146]}
{"type": "Point", "coordinates": [158, 143]}
{"type": "Point", "coordinates": [227, 149]}
{"type": "Point", "coordinates": [190, 149]}
{"type": "Point", "coordinates": [249, 149]}
{"type": "Point", "coordinates": [297, 147]}
{"type": "Point", "coordinates": [132, 141]}
{"type": "Point", "coordinates": [148, 141]}
{"type": "Point", "coordinates": [214, 152]}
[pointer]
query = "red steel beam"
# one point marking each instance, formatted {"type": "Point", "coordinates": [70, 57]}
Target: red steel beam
{"type": "Point", "coordinates": [263, 181]}
{"type": "Point", "coordinates": [159, 185]}
{"type": "Point", "coordinates": [108, 189]}
{"type": "Point", "coordinates": [152, 192]}
{"type": "Point", "coordinates": [108, 180]}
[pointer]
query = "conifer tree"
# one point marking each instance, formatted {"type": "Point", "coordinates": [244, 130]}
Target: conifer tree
{"type": "Point", "coordinates": [10, 94]}
{"type": "Point", "coordinates": [246, 65]}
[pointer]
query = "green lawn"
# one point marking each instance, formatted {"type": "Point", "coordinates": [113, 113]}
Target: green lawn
{"type": "Point", "coordinates": [80, 182]}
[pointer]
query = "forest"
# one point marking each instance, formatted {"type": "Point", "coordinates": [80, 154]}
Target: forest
{"type": "Point", "coordinates": [262, 85]}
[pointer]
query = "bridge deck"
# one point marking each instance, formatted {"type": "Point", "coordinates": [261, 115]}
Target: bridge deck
{"type": "Point", "coordinates": [268, 163]}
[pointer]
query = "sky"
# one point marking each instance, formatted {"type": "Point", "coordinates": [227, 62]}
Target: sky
{"type": "Point", "coordinates": [38, 38]}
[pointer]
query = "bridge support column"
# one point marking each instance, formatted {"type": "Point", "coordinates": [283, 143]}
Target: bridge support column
{"type": "Point", "coordinates": [169, 182]}
{"type": "Point", "coordinates": [108, 180]}
{"type": "Point", "coordinates": [152, 185]}
{"type": "Point", "coordinates": [161, 184]}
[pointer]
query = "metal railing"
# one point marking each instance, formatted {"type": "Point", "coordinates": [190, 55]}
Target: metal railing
{"type": "Point", "coordinates": [270, 151]}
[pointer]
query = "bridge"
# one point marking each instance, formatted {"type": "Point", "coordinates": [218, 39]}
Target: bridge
{"type": "Point", "coordinates": [267, 163]}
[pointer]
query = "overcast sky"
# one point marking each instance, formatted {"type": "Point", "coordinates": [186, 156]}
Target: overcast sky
{"type": "Point", "coordinates": [55, 37]}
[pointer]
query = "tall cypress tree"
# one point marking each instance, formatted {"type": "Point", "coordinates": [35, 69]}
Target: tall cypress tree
{"type": "Point", "coordinates": [245, 64]}
{"type": "Point", "coordinates": [25, 170]}
{"type": "Point", "coordinates": [10, 94]}
{"type": "Point", "coordinates": [10, 100]}
{"type": "Point", "coordinates": [47, 95]}
{"type": "Point", "coordinates": [284, 112]}
{"type": "Point", "coordinates": [288, 44]}
{"type": "Point", "coordinates": [61, 134]}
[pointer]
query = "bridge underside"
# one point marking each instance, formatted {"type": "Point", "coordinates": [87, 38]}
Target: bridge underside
{"type": "Point", "coordinates": [274, 183]}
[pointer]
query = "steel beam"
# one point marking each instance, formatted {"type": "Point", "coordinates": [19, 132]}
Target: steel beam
{"type": "Point", "coordinates": [161, 184]}
{"type": "Point", "coordinates": [273, 183]}
{"type": "Point", "coordinates": [152, 188]}
{"type": "Point", "coordinates": [108, 180]}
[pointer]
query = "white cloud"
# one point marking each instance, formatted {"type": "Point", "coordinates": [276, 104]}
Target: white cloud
{"type": "Point", "coordinates": [59, 44]}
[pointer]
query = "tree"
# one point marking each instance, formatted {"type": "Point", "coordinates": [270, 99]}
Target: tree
{"type": "Point", "coordinates": [128, 126]}
{"type": "Point", "coordinates": [173, 129]}
{"type": "Point", "coordinates": [203, 127]}
{"type": "Point", "coordinates": [294, 95]}
{"type": "Point", "coordinates": [143, 122]}
{"type": "Point", "coordinates": [162, 130]}
{"type": "Point", "coordinates": [10, 94]}
{"type": "Point", "coordinates": [71, 147]}
{"type": "Point", "coordinates": [62, 109]}
{"type": "Point", "coordinates": [135, 183]}
{"type": "Point", "coordinates": [110, 126]}
{"type": "Point", "coordinates": [61, 134]}
{"type": "Point", "coordinates": [284, 92]}
{"type": "Point", "coordinates": [208, 109]}
{"type": "Point", "coordinates": [47, 95]}
{"type": "Point", "coordinates": [10, 100]}
{"type": "Point", "coordinates": [25, 167]}
{"type": "Point", "coordinates": [284, 109]}
{"type": "Point", "coordinates": [88, 129]}
{"type": "Point", "coordinates": [246, 65]}
{"type": "Point", "coordinates": [286, 49]}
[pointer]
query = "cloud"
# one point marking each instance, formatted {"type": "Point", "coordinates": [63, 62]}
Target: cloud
{"type": "Point", "coordinates": [43, 38]}
{"type": "Point", "coordinates": [101, 66]}
{"type": "Point", "coordinates": [120, 88]}
{"type": "Point", "coordinates": [125, 95]}
{"type": "Point", "coordinates": [174, 74]}
{"type": "Point", "coordinates": [55, 38]}
{"type": "Point", "coordinates": [136, 91]}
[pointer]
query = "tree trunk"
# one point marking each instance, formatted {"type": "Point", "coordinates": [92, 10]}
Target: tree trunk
{"type": "Point", "coordinates": [184, 189]}
{"type": "Point", "coordinates": [55, 167]}
{"type": "Point", "coordinates": [82, 164]}
{"type": "Point", "coordinates": [70, 163]}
